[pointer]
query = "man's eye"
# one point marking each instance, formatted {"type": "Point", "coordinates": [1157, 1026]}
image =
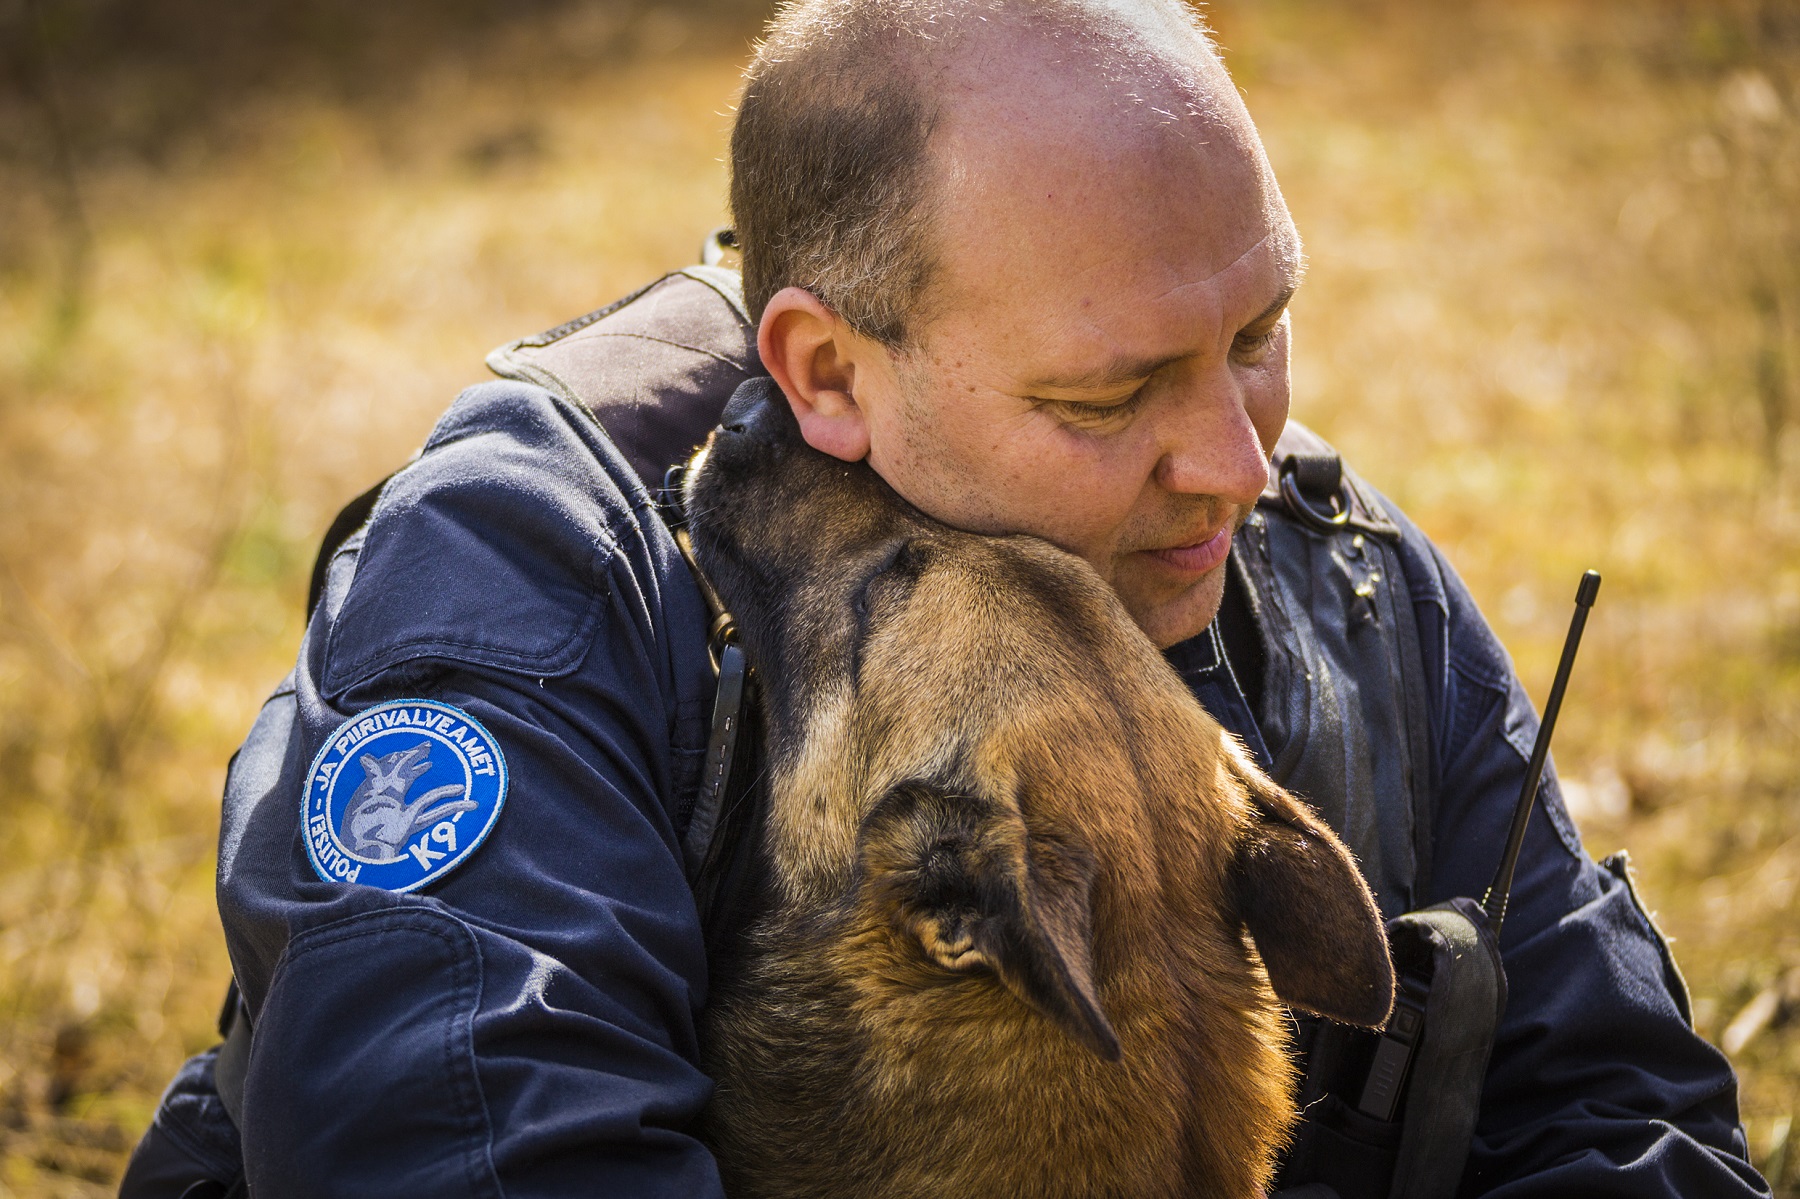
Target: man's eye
{"type": "Point", "coordinates": [1251, 348]}
{"type": "Point", "coordinates": [1096, 414]}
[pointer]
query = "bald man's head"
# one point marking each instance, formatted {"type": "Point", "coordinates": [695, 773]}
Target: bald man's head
{"type": "Point", "coordinates": [836, 184]}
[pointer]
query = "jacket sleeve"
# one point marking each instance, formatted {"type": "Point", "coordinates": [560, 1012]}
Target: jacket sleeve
{"type": "Point", "coordinates": [1598, 1085]}
{"type": "Point", "coordinates": [525, 1025]}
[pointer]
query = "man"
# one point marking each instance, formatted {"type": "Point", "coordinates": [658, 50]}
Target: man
{"type": "Point", "coordinates": [1027, 258]}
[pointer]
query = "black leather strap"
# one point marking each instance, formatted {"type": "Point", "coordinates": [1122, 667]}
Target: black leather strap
{"type": "Point", "coordinates": [1307, 479]}
{"type": "Point", "coordinates": [233, 1061]}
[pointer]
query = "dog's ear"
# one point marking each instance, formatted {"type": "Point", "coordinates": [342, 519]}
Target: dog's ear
{"type": "Point", "coordinates": [965, 883]}
{"type": "Point", "coordinates": [1309, 911]}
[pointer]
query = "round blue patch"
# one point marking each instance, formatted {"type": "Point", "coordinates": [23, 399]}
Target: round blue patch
{"type": "Point", "coordinates": [401, 795]}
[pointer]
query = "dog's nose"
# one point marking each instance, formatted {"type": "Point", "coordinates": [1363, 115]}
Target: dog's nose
{"type": "Point", "coordinates": [759, 411]}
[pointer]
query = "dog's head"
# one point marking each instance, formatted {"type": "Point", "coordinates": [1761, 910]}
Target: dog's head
{"type": "Point", "coordinates": [968, 736]}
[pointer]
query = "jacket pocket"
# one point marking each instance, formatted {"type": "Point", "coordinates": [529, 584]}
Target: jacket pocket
{"type": "Point", "coordinates": [362, 1068]}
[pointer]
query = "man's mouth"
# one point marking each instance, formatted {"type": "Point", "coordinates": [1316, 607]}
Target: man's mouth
{"type": "Point", "coordinates": [1198, 557]}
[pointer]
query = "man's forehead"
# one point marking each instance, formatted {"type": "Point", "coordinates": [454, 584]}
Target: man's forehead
{"type": "Point", "coordinates": [1077, 353]}
{"type": "Point", "coordinates": [1100, 196]}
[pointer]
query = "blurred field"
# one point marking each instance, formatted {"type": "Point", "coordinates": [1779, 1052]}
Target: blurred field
{"type": "Point", "coordinates": [1554, 310]}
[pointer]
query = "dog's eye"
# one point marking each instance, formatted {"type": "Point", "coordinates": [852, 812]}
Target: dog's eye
{"type": "Point", "coordinates": [904, 563]}
{"type": "Point", "coordinates": [909, 558]}
{"type": "Point", "coordinates": [891, 580]}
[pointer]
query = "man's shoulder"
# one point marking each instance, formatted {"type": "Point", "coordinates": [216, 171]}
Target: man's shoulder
{"type": "Point", "coordinates": [654, 368]}
{"type": "Point", "coordinates": [499, 546]}
{"type": "Point", "coordinates": [528, 510]}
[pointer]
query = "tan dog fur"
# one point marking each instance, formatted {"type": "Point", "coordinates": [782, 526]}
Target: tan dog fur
{"type": "Point", "coordinates": [1008, 867]}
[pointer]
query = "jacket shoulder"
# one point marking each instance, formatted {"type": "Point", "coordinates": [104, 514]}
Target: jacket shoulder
{"type": "Point", "coordinates": [493, 548]}
{"type": "Point", "coordinates": [654, 368]}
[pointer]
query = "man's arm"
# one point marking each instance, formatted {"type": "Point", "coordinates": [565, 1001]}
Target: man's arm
{"type": "Point", "coordinates": [526, 1025]}
{"type": "Point", "coordinates": [1598, 1084]}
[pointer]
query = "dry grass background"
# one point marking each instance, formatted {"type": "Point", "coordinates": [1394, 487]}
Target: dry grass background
{"type": "Point", "coordinates": [248, 252]}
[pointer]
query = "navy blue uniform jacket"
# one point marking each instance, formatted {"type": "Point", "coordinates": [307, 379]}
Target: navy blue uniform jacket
{"type": "Point", "coordinates": [525, 1026]}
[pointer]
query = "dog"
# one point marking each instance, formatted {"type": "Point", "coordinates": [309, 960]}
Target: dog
{"type": "Point", "coordinates": [1007, 866]}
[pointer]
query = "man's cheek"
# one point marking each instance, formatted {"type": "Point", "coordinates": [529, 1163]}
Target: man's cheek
{"type": "Point", "coordinates": [1085, 522]}
{"type": "Point", "coordinates": [1088, 493]}
{"type": "Point", "coordinates": [1269, 395]}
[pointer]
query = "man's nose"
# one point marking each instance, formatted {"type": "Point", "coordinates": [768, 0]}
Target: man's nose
{"type": "Point", "coordinates": [1210, 445]}
{"type": "Point", "coordinates": [758, 411]}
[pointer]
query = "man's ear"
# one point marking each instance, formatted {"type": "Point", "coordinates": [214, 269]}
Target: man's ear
{"type": "Point", "coordinates": [813, 356]}
{"type": "Point", "coordinates": [968, 890]}
{"type": "Point", "coordinates": [1309, 911]}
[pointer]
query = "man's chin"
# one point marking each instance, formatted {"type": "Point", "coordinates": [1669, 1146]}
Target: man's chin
{"type": "Point", "coordinates": [1171, 619]}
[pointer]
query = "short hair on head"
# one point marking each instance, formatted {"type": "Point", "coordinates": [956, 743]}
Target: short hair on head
{"type": "Point", "coordinates": [830, 179]}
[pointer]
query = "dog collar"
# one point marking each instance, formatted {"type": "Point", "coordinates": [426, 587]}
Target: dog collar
{"type": "Point", "coordinates": [733, 672]}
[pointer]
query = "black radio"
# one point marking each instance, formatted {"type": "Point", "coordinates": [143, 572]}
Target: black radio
{"type": "Point", "coordinates": [1390, 1115]}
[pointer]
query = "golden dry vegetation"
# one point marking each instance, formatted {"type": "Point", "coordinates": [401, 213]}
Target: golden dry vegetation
{"type": "Point", "coordinates": [1554, 309]}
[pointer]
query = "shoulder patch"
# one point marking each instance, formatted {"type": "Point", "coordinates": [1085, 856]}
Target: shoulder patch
{"type": "Point", "coordinates": [401, 795]}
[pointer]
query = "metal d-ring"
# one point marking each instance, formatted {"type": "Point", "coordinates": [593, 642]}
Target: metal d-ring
{"type": "Point", "coordinates": [1303, 508]}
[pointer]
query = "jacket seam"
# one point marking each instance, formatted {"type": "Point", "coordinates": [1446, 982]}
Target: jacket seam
{"type": "Point", "coordinates": [679, 345]}
{"type": "Point", "coordinates": [341, 678]}
{"type": "Point", "coordinates": [1619, 866]}
{"type": "Point", "coordinates": [1496, 694]}
{"type": "Point", "coordinates": [431, 923]}
{"type": "Point", "coordinates": [1460, 664]}
{"type": "Point", "coordinates": [538, 341]}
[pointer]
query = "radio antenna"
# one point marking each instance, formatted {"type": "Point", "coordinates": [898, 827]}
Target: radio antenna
{"type": "Point", "coordinates": [1500, 890]}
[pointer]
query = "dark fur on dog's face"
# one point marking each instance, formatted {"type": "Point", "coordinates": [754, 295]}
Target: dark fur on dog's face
{"type": "Point", "coordinates": [1011, 863]}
